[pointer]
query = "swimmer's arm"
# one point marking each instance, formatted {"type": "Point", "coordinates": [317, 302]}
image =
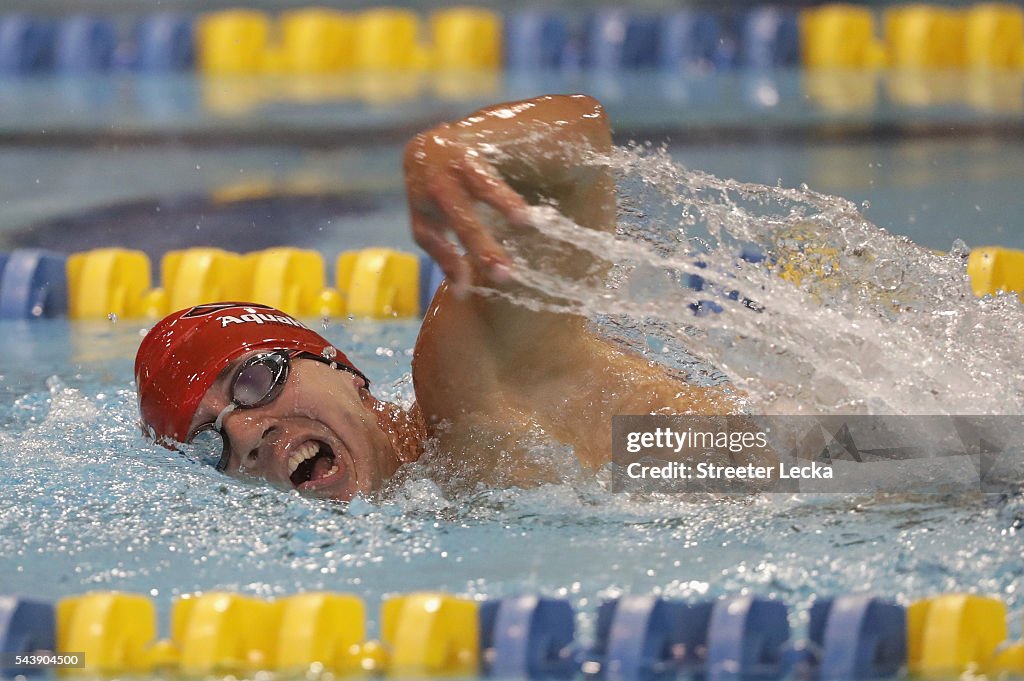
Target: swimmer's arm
{"type": "Point", "coordinates": [543, 150]}
{"type": "Point", "coordinates": [472, 350]}
{"type": "Point", "coordinates": [480, 357]}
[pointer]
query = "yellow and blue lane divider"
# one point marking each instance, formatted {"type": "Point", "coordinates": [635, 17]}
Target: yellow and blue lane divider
{"type": "Point", "coordinates": [386, 54]}
{"type": "Point", "coordinates": [311, 40]}
{"type": "Point", "coordinates": [378, 283]}
{"type": "Point", "coordinates": [315, 40]}
{"type": "Point", "coordinates": [118, 283]}
{"type": "Point", "coordinates": [638, 637]}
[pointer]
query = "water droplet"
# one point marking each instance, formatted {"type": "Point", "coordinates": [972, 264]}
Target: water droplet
{"type": "Point", "coordinates": [112, 317]}
{"type": "Point", "coordinates": [865, 205]}
{"type": "Point", "coordinates": [329, 352]}
{"type": "Point", "coordinates": [325, 322]}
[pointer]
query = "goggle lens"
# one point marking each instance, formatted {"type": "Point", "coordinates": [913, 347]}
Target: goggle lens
{"type": "Point", "coordinates": [207, 446]}
{"type": "Point", "coordinates": [258, 380]}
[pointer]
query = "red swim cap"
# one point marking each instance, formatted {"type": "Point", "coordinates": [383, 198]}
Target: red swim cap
{"type": "Point", "coordinates": [182, 355]}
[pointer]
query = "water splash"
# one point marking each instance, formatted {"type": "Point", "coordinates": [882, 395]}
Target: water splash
{"type": "Point", "coordinates": [839, 316]}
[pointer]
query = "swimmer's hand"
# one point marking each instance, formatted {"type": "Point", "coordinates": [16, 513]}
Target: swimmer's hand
{"type": "Point", "coordinates": [445, 179]}
{"type": "Point", "coordinates": [507, 157]}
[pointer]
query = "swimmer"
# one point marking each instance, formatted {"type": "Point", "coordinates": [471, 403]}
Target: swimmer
{"type": "Point", "coordinates": [279, 403]}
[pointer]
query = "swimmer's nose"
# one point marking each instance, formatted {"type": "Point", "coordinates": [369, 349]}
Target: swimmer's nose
{"type": "Point", "coordinates": [249, 435]}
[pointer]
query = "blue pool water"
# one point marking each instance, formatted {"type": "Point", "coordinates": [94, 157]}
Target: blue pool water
{"type": "Point", "coordinates": [87, 503]}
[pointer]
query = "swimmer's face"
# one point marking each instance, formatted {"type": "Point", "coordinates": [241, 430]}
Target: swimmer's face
{"type": "Point", "coordinates": [319, 436]}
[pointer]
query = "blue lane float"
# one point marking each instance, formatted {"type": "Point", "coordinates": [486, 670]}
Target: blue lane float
{"type": "Point", "coordinates": [770, 38]}
{"type": "Point", "coordinates": [646, 638]}
{"type": "Point", "coordinates": [690, 39]}
{"type": "Point", "coordinates": [617, 39]}
{"type": "Point", "coordinates": [85, 44]}
{"type": "Point", "coordinates": [746, 640]}
{"type": "Point", "coordinates": [859, 636]}
{"type": "Point", "coordinates": [25, 626]}
{"type": "Point", "coordinates": [528, 637]}
{"type": "Point", "coordinates": [165, 42]}
{"type": "Point", "coordinates": [33, 284]}
{"type": "Point", "coordinates": [536, 40]}
{"type": "Point", "coordinates": [26, 44]}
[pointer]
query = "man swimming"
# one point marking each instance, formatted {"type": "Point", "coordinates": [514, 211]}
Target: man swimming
{"type": "Point", "coordinates": [281, 404]}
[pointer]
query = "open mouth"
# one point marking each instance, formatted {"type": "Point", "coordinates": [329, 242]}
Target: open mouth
{"type": "Point", "coordinates": [312, 462]}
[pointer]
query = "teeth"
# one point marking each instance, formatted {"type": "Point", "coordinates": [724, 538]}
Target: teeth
{"type": "Point", "coordinates": [334, 469]}
{"type": "Point", "coordinates": [303, 453]}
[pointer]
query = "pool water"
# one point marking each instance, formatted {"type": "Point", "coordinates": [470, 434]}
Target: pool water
{"type": "Point", "coordinates": [89, 504]}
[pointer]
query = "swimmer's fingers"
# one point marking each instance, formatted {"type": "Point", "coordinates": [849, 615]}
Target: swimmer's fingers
{"type": "Point", "coordinates": [431, 238]}
{"type": "Point", "coordinates": [486, 185]}
{"type": "Point", "coordinates": [458, 206]}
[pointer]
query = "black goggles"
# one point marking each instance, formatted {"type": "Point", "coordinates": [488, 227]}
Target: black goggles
{"type": "Point", "coordinates": [257, 382]}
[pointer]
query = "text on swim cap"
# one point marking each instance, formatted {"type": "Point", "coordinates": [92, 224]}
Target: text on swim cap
{"type": "Point", "coordinates": [259, 318]}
